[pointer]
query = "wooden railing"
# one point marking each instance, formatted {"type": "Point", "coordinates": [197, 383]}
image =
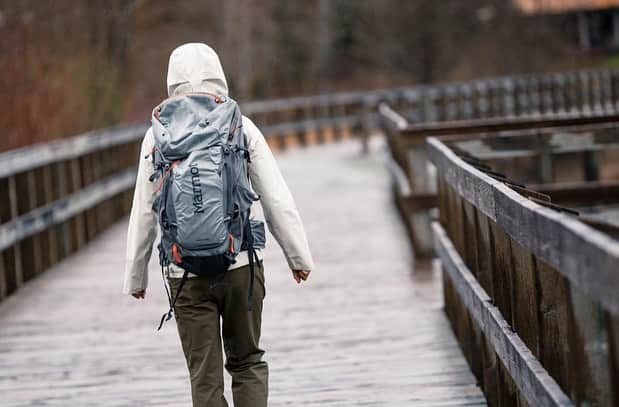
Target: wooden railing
{"type": "Point", "coordinates": [60, 195]}
{"type": "Point", "coordinates": [414, 176]}
{"type": "Point", "coordinates": [532, 287]}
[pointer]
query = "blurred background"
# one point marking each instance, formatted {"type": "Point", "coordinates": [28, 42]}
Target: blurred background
{"type": "Point", "coordinates": [69, 66]}
{"type": "Point", "coordinates": [509, 294]}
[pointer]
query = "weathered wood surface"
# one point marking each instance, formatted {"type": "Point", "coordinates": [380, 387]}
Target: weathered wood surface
{"type": "Point", "coordinates": [536, 385]}
{"type": "Point", "coordinates": [552, 277]}
{"type": "Point", "coordinates": [365, 330]}
{"type": "Point", "coordinates": [588, 258]}
{"type": "Point", "coordinates": [410, 163]}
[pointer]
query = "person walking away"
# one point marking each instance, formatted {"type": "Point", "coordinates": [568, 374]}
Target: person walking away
{"type": "Point", "coordinates": [198, 164]}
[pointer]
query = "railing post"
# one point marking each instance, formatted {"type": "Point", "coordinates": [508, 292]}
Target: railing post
{"type": "Point", "coordinates": [586, 105]}
{"type": "Point", "coordinates": [77, 184]}
{"type": "Point", "coordinates": [311, 135]}
{"type": "Point", "coordinates": [412, 101]}
{"type": "Point", "coordinates": [19, 272]}
{"type": "Point", "coordinates": [61, 175]}
{"type": "Point", "coordinates": [451, 108]}
{"type": "Point", "coordinates": [606, 85]}
{"type": "Point", "coordinates": [3, 274]}
{"type": "Point", "coordinates": [366, 125]}
{"type": "Point", "coordinates": [49, 198]}
{"type": "Point", "coordinates": [614, 86]}
{"type": "Point", "coordinates": [466, 101]}
{"type": "Point", "coordinates": [509, 97]}
{"type": "Point", "coordinates": [36, 239]}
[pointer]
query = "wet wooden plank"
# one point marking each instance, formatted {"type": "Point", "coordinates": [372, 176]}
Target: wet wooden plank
{"type": "Point", "coordinates": [379, 338]}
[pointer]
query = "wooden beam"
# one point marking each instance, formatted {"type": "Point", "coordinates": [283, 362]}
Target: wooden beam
{"type": "Point", "coordinates": [38, 155]}
{"type": "Point", "coordinates": [493, 125]}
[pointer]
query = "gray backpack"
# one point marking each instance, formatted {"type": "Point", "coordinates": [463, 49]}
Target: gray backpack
{"type": "Point", "coordinates": [204, 193]}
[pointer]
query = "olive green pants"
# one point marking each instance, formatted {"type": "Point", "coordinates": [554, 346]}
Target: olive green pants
{"type": "Point", "coordinates": [203, 301]}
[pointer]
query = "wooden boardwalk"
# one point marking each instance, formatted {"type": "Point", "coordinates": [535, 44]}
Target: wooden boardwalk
{"type": "Point", "coordinates": [365, 330]}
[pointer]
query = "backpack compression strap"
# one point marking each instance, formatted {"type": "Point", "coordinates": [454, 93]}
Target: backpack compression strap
{"type": "Point", "coordinates": [253, 260]}
{"type": "Point", "coordinates": [168, 315]}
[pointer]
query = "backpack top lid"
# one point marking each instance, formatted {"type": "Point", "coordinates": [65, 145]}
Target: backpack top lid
{"type": "Point", "coordinates": [193, 121]}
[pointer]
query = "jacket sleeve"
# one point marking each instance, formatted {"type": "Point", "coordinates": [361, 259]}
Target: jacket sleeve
{"type": "Point", "coordinates": [142, 223]}
{"type": "Point", "coordinates": [280, 211]}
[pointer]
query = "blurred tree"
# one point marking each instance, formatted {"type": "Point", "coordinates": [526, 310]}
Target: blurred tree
{"type": "Point", "coordinates": [72, 65]}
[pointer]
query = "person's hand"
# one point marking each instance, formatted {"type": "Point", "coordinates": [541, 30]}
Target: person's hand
{"type": "Point", "coordinates": [139, 294]}
{"type": "Point", "coordinates": [300, 275]}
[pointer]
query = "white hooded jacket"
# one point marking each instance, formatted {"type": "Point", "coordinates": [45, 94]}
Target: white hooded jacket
{"type": "Point", "coordinates": [195, 67]}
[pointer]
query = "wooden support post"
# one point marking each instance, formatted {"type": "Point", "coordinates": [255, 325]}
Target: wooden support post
{"type": "Point", "coordinates": [311, 136]}
{"type": "Point", "coordinates": [586, 104]}
{"type": "Point", "coordinates": [37, 261]}
{"type": "Point", "coordinates": [502, 271]}
{"type": "Point", "coordinates": [589, 351]}
{"type": "Point", "coordinates": [525, 297]}
{"type": "Point", "coordinates": [290, 140]}
{"type": "Point", "coordinates": [553, 317]}
{"type": "Point", "coordinates": [365, 127]}
{"type": "Point", "coordinates": [51, 233]}
{"type": "Point", "coordinates": [62, 191]}
{"type": "Point", "coordinates": [612, 322]}
{"type": "Point", "coordinates": [76, 179]}
{"type": "Point", "coordinates": [3, 274]}
{"type": "Point", "coordinates": [485, 253]}
{"type": "Point", "coordinates": [591, 166]}
{"type": "Point", "coordinates": [19, 272]}
{"type": "Point", "coordinates": [91, 214]}
{"type": "Point", "coordinates": [4, 290]}
{"type": "Point", "coordinates": [328, 135]}
{"type": "Point", "coordinates": [345, 132]}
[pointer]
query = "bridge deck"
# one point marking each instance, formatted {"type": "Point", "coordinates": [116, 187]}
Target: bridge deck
{"type": "Point", "coordinates": [365, 330]}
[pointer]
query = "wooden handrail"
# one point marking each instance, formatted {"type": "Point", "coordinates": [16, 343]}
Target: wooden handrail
{"type": "Point", "coordinates": [585, 256]}
{"type": "Point", "coordinates": [550, 272]}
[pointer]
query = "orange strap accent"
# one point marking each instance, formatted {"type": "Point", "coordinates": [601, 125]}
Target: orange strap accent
{"type": "Point", "coordinates": [231, 243]}
{"type": "Point", "coordinates": [174, 164]}
{"type": "Point", "coordinates": [177, 257]}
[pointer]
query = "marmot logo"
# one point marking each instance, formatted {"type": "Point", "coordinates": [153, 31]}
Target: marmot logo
{"type": "Point", "coordinates": [197, 190]}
